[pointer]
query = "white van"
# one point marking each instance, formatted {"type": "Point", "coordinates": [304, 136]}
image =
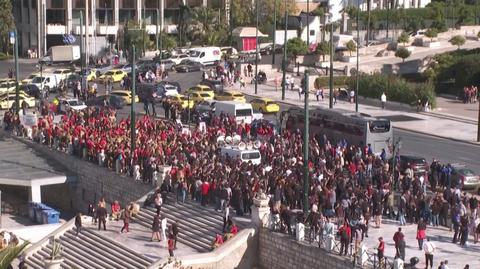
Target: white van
{"type": "Point", "coordinates": [246, 155]}
{"type": "Point", "coordinates": [205, 55]}
{"type": "Point", "coordinates": [47, 83]}
{"type": "Point", "coordinates": [242, 112]}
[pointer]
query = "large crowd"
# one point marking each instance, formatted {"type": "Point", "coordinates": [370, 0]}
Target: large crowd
{"type": "Point", "coordinates": [348, 183]}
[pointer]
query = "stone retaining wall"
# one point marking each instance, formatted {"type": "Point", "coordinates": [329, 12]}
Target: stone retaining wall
{"type": "Point", "coordinates": [93, 182]}
{"type": "Point", "coordinates": [280, 251]}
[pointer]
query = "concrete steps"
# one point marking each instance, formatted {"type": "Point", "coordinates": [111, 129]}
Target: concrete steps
{"type": "Point", "coordinates": [198, 225]}
{"type": "Point", "coordinates": [89, 250]}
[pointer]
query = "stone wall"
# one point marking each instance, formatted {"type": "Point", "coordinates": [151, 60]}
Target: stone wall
{"type": "Point", "coordinates": [280, 251]}
{"type": "Point", "coordinates": [93, 182]}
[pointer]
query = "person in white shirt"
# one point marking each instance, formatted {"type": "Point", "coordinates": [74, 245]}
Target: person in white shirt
{"type": "Point", "coordinates": [383, 98]}
{"type": "Point", "coordinates": [429, 249]}
{"type": "Point", "coordinates": [163, 227]}
{"type": "Point", "coordinates": [398, 263]}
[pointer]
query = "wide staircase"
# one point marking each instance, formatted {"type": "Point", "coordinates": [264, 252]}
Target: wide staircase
{"type": "Point", "coordinates": [90, 251]}
{"type": "Point", "coordinates": [197, 224]}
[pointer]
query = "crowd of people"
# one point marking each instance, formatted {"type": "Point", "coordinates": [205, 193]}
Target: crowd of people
{"type": "Point", "coordinates": [350, 184]}
{"type": "Point", "coordinates": [470, 94]}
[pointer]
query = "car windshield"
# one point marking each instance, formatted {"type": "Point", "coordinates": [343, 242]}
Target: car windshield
{"type": "Point", "coordinates": [57, 71]}
{"type": "Point", "coordinates": [38, 80]}
{"type": "Point", "coordinates": [75, 103]}
{"type": "Point", "coordinates": [109, 73]}
{"type": "Point", "coordinates": [243, 112]}
{"type": "Point", "coordinates": [238, 95]}
{"type": "Point", "coordinates": [466, 172]}
{"type": "Point", "coordinates": [205, 95]}
{"type": "Point", "coordinates": [183, 98]}
{"type": "Point", "coordinates": [194, 53]}
{"type": "Point", "coordinates": [271, 103]}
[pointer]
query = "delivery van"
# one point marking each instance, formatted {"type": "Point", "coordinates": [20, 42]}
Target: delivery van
{"type": "Point", "coordinates": [205, 55]}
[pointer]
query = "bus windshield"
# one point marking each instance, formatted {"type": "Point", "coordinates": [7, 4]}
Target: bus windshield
{"type": "Point", "coordinates": [250, 155]}
{"type": "Point", "coordinates": [379, 126]}
{"type": "Point", "coordinates": [243, 112]}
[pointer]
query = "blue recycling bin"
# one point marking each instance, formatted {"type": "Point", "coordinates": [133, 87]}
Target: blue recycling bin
{"type": "Point", "coordinates": [39, 212]}
{"type": "Point", "coordinates": [50, 216]}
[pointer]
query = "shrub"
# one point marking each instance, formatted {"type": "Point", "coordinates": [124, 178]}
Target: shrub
{"type": "Point", "coordinates": [402, 53]}
{"type": "Point", "coordinates": [338, 81]}
{"type": "Point", "coordinates": [3, 56]}
{"type": "Point", "coordinates": [396, 89]}
{"type": "Point", "coordinates": [457, 40]}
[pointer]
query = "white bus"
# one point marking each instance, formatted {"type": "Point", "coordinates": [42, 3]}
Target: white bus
{"type": "Point", "coordinates": [339, 124]}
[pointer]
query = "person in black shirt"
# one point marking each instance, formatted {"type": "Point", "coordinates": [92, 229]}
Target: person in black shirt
{"type": "Point", "coordinates": [102, 217]}
{"type": "Point", "coordinates": [175, 233]}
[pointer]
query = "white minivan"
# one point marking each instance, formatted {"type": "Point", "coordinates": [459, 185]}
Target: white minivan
{"type": "Point", "coordinates": [243, 112]}
{"type": "Point", "coordinates": [205, 55]}
{"type": "Point", "coordinates": [246, 155]}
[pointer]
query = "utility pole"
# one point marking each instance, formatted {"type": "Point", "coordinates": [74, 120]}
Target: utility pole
{"type": "Point", "coordinates": [478, 131]}
{"type": "Point", "coordinates": [256, 48]}
{"type": "Point", "coordinates": [17, 97]}
{"type": "Point", "coordinates": [305, 146]}
{"type": "Point", "coordinates": [358, 59]}
{"type": "Point", "coordinates": [284, 62]}
{"type": "Point", "coordinates": [82, 53]}
{"type": "Point", "coordinates": [308, 25]}
{"type": "Point", "coordinates": [388, 16]}
{"type": "Point", "coordinates": [143, 29]}
{"type": "Point", "coordinates": [86, 34]}
{"type": "Point", "coordinates": [332, 51]}
{"type": "Point", "coordinates": [132, 107]}
{"type": "Point", "coordinates": [156, 32]}
{"type": "Point", "coordinates": [274, 34]}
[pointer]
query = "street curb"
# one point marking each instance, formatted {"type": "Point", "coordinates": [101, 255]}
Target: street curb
{"type": "Point", "coordinates": [399, 128]}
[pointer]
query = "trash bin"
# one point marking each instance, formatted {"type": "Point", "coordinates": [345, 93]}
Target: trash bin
{"type": "Point", "coordinates": [39, 212]}
{"type": "Point", "coordinates": [50, 216]}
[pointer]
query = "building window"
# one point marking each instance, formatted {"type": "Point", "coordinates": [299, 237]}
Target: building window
{"type": "Point", "coordinates": [126, 15]}
{"type": "Point", "coordinates": [171, 3]}
{"type": "Point", "coordinates": [55, 16]}
{"type": "Point", "coordinates": [150, 16]}
{"type": "Point", "coordinates": [127, 3]}
{"type": "Point", "coordinates": [78, 3]}
{"type": "Point", "coordinates": [34, 4]}
{"type": "Point", "coordinates": [56, 4]}
{"type": "Point", "coordinates": [105, 16]}
{"type": "Point", "coordinates": [105, 4]}
{"type": "Point", "coordinates": [312, 32]}
{"type": "Point", "coordinates": [171, 16]}
{"type": "Point", "coordinates": [152, 4]}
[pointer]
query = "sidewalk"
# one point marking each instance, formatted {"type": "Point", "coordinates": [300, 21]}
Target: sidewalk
{"type": "Point", "coordinates": [427, 123]}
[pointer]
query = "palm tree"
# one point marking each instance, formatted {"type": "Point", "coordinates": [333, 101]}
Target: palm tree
{"type": "Point", "coordinates": [10, 253]}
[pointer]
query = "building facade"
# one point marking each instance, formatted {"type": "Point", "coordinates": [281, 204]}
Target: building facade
{"type": "Point", "coordinates": [43, 23]}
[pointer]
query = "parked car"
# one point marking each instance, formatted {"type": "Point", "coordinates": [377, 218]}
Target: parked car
{"type": "Point", "coordinates": [186, 66]}
{"type": "Point", "coordinates": [418, 164]}
{"type": "Point", "coordinates": [464, 177]}
{"type": "Point", "coordinates": [215, 85]}
{"type": "Point", "coordinates": [268, 49]}
{"type": "Point", "coordinates": [113, 101]}
{"type": "Point", "coordinates": [178, 58]}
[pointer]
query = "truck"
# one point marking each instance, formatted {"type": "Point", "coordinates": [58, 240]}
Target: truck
{"type": "Point", "coordinates": [61, 54]}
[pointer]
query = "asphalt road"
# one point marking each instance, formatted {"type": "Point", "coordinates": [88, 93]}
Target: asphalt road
{"type": "Point", "coordinates": [447, 151]}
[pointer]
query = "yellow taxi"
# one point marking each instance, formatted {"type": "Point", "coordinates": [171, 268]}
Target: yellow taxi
{"type": "Point", "coordinates": [182, 100]}
{"type": "Point", "coordinates": [202, 89]}
{"type": "Point", "coordinates": [7, 85]}
{"type": "Point", "coordinates": [231, 96]}
{"type": "Point", "coordinates": [62, 74]}
{"type": "Point", "coordinates": [29, 79]}
{"type": "Point", "coordinates": [7, 102]}
{"type": "Point", "coordinates": [91, 74]}
{"type": "Point", "coordinates": [126, 95]}
{"type": "Point", "coordinates": [265, 105]}
{"type": "Point", "coordinates": [116, 75]}
{"type": "Point", "coordinates": [199, 96]}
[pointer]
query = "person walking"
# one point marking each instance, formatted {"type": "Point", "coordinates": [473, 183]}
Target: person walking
{"type": "Point", "coordinates": [126, 220]}
{"type": "Point", "coordinates": [380, 251]}
{"type": "Point", "coordinates": [429, 249]}
{"type": "Point", "coordinates": [171, 245]}
{"type": "Point", "coordinates": [175, 233]}
{"type": "Point", "coordinates": [226, 215]}
{"type": "Point", "coordinates": [156, 228]}
{"type": "Point", "coordinates": [102, 217]}
{"type": "Point", "coordinates": [421, 232]}
{"type": "Point", "coordinates": [399, 239]}
{"type": "Point", "coordinates": [78, 223]}
{"type": "Point", "coordinates": [158, 202]}
{"type": "Point", "coordinates": [383, 99]}
{"type": "Point", "coordinates": [163, 223]}
{"type": "Point", "coordinates": [345, 235]}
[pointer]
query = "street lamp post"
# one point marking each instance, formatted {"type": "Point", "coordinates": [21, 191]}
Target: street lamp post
{"type": "Point", "coordinates": [305, 145]}
{"type": "Point", "coordinates": [17, 97]}
{"type": "Point", "coordinates": [358, 59]}
{"type": "Point", "coordinates": [256, 48]}
{"type": "Point", "coordinates": [156, 33]}
{"type": "Point", "coordinates": [332, 51]}
{"type": "Point", "coordinates": [396, 146]}
{"type": "Point", "coordinates": [308, 25]}
{"type": "Point", "coordinates": [274, 34]}
{"type": "Point", "coordinates": [284, 62]}
{"type": "Point", "coordinates": [132, 108]}
{"type": "Point", "coordinates": [478, 131]}
{"type": "Point", "coordinates": [82, 53]}
{"type": "Point", "coordinates": [388, 15]}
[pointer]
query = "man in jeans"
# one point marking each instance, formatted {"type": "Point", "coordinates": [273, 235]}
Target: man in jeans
{"type": "Point", "coordinates": [429, 249]}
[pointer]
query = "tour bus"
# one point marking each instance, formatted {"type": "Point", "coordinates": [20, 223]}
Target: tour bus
{"type": "Point", "coordinates": [205, 55]}
{"type": "Point", "coordinates": [339, 124]}
{"type": "Point", "coordinates": [243, 112]}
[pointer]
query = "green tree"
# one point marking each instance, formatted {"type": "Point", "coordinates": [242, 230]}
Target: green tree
{"type": "Point", "coordinates": [319, 11]}
{"type": "Point", "coordinates": [404, 38]}
{"type": "Point", "coordinates": [7, 25]}
{"type": "Point", "coordinates": [403, 53]}
{"type": "Point", "coordinates": [296, 46]}
{"type": "Point", "coordinates": [323, 48]}
{"type": "Point", "coordinates": [135, 34]}
{"type": "Point", "coordinates": [431, 33]}
{"type": "Point", "coordinates": [457, 40]}
{"type": "Point", "coordinates": [463, 12]}
{"type": "Point", "coordinates": [242, 13]}
{"type": "Point", "coordinates": [9, 254]}
{"type": "Point", "coordinates": [351, 46]}
{"type": "Point", "coordinates": [169, 42]}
